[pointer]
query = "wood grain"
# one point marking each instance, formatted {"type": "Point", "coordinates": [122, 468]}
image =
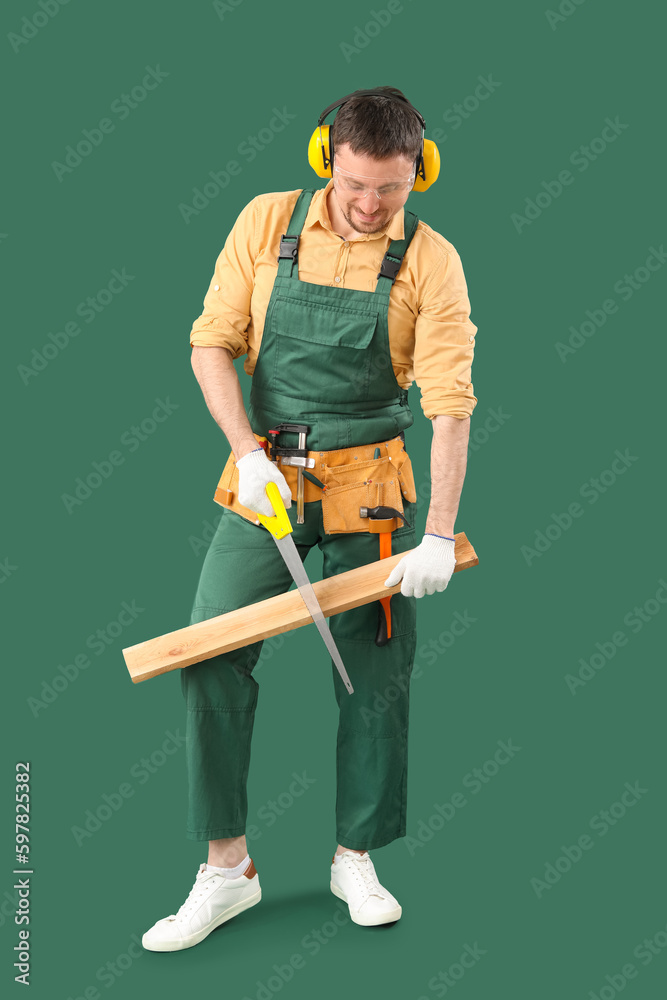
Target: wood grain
{"type": "Point", "coordinates": [271, 617]}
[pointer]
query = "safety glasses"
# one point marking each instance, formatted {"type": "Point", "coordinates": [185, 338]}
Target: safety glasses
{"type": "Point", "coordinates": [353, 183]}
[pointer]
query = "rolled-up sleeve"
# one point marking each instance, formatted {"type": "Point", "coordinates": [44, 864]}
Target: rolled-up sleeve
{"type": "Point", "coordinates": [445, 341]}
{"type": "Point", "coordinates": [226, 315]}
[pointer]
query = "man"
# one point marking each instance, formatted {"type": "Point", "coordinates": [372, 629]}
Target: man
{"type": "Point", "coordinates": [333, 344]}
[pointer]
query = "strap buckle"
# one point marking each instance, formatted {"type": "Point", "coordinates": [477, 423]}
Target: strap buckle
{"type": "Point", "coordinates": [289, 247]}
{"type": "Point", "coordinates": [390, 267]}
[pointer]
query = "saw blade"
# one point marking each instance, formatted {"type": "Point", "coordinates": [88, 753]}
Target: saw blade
{"type": "Point", "coordinates": [289, 552]}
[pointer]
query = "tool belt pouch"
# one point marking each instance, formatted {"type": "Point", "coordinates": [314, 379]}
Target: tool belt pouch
{"type": "Point", "coordinates": [227, 490]}
{"type": "Point", "coordinates": [352, 478]}
{"type": "Point", "coordinates": [365, 482]}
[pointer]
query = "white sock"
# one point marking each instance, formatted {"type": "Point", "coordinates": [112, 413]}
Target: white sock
{"type": "Point", "coordinates": [337, 857]}
{"type": "Point", "coordinates": [231, 872]}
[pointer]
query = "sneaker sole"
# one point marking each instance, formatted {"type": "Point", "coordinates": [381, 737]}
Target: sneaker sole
{"type": "Point", "coordinates": [194, 939]}
{"type": "Point", "coordinates": [381, 918]}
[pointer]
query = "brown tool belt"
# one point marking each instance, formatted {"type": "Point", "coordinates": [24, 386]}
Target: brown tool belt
{"type": "Point", "coordinates": [351, 479]}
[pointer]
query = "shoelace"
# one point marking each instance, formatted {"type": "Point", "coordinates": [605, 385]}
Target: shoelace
{"type": "Point", "coordinates": [198, 889]}
{"type": "Point", "coordinates": [364, 867]}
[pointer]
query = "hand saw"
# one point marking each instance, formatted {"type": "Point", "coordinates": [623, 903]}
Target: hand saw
{"type": "Point", "coordinates": [281, 529]}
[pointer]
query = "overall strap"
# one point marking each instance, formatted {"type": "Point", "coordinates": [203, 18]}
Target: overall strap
{"type": "Point", "coordinates": [392, 260]}
{"type": "Point", "coordinates": [289, 242]}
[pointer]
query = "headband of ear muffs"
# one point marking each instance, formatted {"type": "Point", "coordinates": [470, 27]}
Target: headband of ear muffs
{"type": "Point", "coordinates": [320, 147]}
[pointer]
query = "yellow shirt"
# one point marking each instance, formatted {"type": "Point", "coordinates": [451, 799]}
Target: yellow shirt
{"type": "Point", "coordinates": [431, 336]}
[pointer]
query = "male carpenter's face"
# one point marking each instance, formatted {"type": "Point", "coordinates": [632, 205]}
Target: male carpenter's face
{"type": "Point", "coordinates": [359, 180]}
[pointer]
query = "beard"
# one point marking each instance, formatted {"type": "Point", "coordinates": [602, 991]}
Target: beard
{"type": "Point", "coordinates": [353, 220]}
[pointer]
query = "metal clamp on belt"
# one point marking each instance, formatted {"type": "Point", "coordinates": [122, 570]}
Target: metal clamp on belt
{"type": "Point", "coordinates": [290, 456]}
{"type": "Point", "coordinates": [289, 247]}
{"type": "Point", "coordinates": [389, 268]}
{"type": "Point", "coordinates": [293, 456]}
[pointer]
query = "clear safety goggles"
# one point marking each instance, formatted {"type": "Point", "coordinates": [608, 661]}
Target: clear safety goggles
{"type": "Point", "coordinates": [354, 184]}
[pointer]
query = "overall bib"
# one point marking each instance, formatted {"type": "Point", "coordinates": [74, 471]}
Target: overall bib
{"type": "Point", "coordinates": [324, 360]}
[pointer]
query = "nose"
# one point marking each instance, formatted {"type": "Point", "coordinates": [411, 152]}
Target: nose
{"type": "Point", "coordinates": [369, 202]}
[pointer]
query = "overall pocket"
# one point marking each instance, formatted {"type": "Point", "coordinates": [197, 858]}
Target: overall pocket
{"type": "Point", "coordinates": [333, 341]}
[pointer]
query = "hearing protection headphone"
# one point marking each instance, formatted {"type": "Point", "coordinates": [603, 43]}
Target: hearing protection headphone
{"type": "Point", "coordinates": [321, 151]}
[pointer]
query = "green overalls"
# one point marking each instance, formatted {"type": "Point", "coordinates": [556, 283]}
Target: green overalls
{"type": "Point", "coordinates": [324, 361]}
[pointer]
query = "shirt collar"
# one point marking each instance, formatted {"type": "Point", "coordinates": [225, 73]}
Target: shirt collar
{"type": "Point", "coordinates": [319, 215]}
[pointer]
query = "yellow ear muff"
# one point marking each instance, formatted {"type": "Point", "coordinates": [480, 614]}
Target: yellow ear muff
{"type": "Point", "coordinates": [318, 151]}
{"type": "Point", "coordinates": [431, 167]}
{"type": "Point", "coordinates": [320, 161]}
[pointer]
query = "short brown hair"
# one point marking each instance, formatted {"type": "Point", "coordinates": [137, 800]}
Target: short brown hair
{"type": "Point", "coordinates": [378, 126]}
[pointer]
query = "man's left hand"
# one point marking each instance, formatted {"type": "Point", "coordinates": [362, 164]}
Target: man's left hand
{"type": "Point", "coordinates": [427, 568]}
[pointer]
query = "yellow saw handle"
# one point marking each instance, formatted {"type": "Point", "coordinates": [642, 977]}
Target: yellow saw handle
{"type": "Point", "coordinates": [279, 525]}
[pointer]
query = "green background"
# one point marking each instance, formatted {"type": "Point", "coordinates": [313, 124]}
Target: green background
{"type": "Point", "coordinates": [140, 537]}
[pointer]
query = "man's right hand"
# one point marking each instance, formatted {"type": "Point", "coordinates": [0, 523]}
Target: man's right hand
{"type": "Point", "coordinates": [255, 471]}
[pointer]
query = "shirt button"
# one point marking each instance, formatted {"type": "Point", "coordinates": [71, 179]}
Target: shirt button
{"type": "Point", "coordinates": [346, 244]}
{"type": "Point", "coordinates": [336, 278]}
{"type": "Point", "coordinates": [216, 288]}
{"type": "Point", "coordinates": [471, 339]}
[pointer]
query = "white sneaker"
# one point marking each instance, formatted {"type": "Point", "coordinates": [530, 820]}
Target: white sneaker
{"type": "Point", "coordinates": [354, 880]}
{"type": "Point", "coordinates": [213, 899]}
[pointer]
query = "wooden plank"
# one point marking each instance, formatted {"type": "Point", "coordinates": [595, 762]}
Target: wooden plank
{"type": "Point", "coordinates": [271, 617]}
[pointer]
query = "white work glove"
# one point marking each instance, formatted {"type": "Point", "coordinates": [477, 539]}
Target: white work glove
{"type": "Point", "coordinates": [255, 471]}
{"type": "Point", "coordinates": [427, 568]}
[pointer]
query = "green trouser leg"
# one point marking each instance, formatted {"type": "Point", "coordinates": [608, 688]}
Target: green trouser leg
{"type": "Point", "coordinates": [372, 743]}
{"type": "Point", "coordinates": [242, 566]}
